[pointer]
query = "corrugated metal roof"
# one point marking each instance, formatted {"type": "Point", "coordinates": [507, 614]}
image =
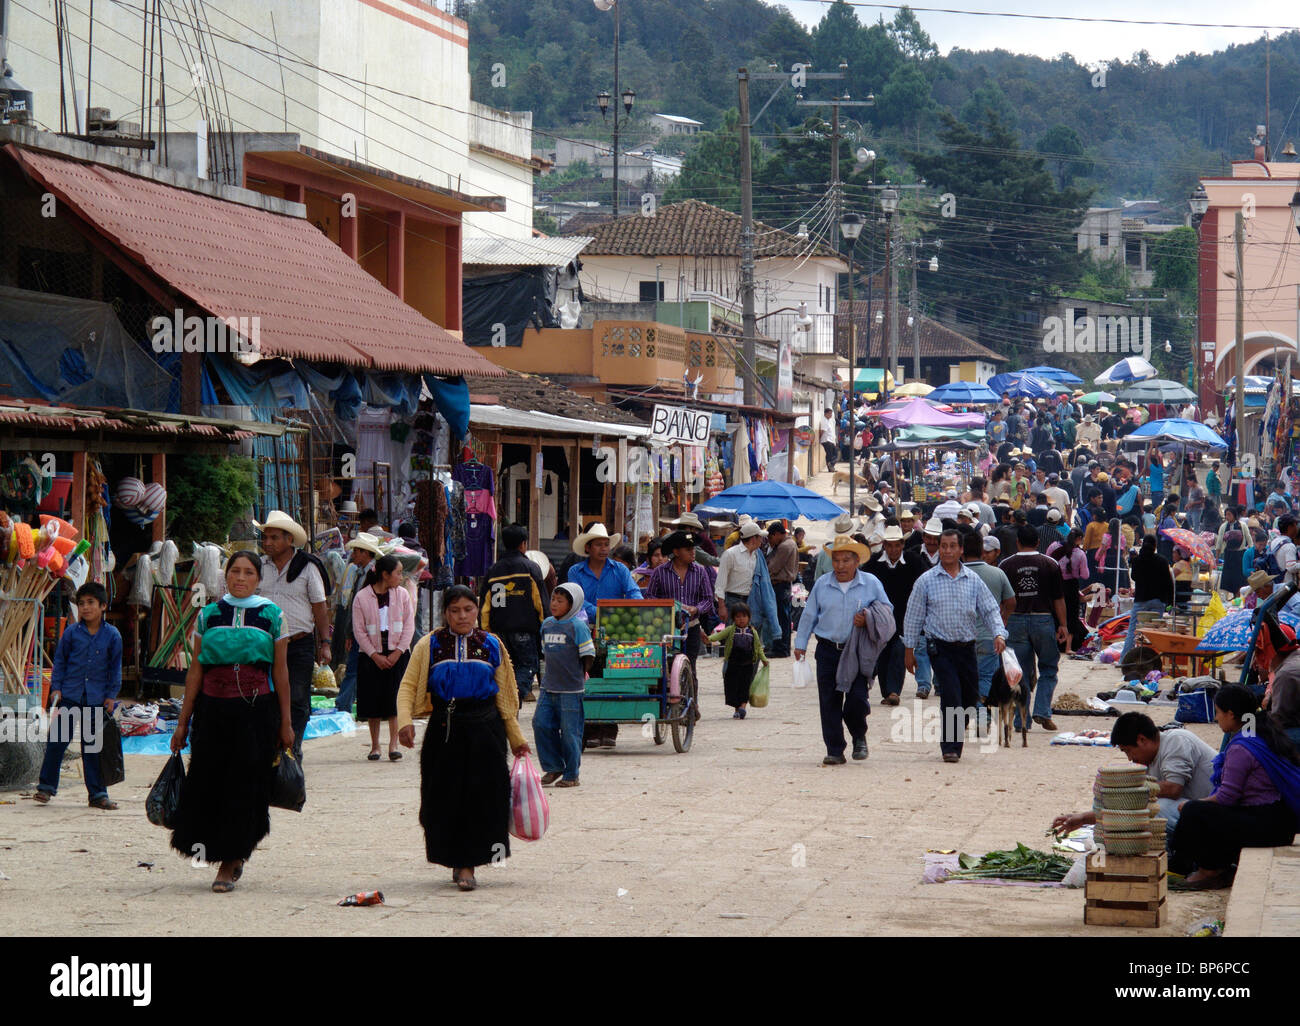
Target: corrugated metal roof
{"type": "Point", "coordinates": [313, 302]}
{"type": "Point", "coordinates": [499, 416]}
{"type": "Point", "coordinates": [87, 418]}
{"type": "Point", "coordinates": [543, 252]}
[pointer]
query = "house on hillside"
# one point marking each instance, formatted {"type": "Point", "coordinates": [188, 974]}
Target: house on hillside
{"type": "Point", "coordinates": [1127, 233]}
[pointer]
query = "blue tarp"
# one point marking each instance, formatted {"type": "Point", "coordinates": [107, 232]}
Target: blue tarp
{"type": "Point", "coordinates": [320, 725]}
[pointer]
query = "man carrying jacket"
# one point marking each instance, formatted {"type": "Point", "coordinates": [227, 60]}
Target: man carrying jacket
{"type": "Point", "coordinates": [513, 600]}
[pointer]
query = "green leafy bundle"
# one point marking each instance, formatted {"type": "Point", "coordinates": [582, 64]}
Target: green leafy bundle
{"type": "Point", "coordinates": [1020, 863]}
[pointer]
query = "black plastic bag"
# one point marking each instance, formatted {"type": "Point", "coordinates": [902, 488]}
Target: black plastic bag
{"type": "Point", "coordinates": [165, 796]}
{"type": "Point", "coordinates": [288, 785]}
{"type": "Point", "coordinates": [112, 766]}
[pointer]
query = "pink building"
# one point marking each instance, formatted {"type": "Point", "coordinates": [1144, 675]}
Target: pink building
{"type": "Point", "coordinates": [1264, 193]}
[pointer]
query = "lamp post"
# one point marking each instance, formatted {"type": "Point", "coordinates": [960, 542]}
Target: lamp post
{"type": "Point", "coordinates": [627, 95]}
{"type": "Point", "coordinates": [1199, 202]}
{"type": "Point", "coordinates": [851, 228]}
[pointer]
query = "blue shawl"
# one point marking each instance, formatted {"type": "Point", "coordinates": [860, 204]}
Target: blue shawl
{"type": "Point", "coordinates": [1284, 775]}
{"type": "Point", "coordinates": [762, 603]}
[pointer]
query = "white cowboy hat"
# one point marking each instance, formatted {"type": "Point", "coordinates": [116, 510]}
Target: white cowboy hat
{"type": "Point", "coordinates": [592, 533]}
{"type": "Point", "coordinates": [348, 506]}
{"type": "Point", "coordinates": [688, 520]}
{"type": "Point", "coordinates": [280, 521]}
{"type": "Point", "coordinates": [892, 533]}
{"type": "Point", "coordinates": [367, 542]}
{"type": "Point", "coordinates": [934, 528]}
{"type": "Point", "coordinates": [843, 543]}
{"type": "Point", "coordinates": [871, 503]}
{"type": "Point", "coordinates": [843, 525]}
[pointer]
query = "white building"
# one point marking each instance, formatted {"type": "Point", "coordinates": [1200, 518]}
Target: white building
{"type": "Point", "coordinates": [1126, 233]}
{"type": "Point", "coordinates": [675, 124]}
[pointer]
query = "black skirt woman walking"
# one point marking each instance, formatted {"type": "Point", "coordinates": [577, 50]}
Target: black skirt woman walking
{"type": "Point", "coordinates": [461, 676]}
{"type": "Point", "coordinates": [236, 716]}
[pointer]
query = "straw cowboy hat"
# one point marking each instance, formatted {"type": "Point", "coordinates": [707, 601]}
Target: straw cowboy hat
{"type": "Point", "coordinates": [1258, 579]}
{"type": "Point", "coordinates": [595, 531]}
{"type": "Point", "coordinates": [277, 520]}
{"type": "Point", "coordinates": [367, 542]}
{"type": "Point", "coordinates": [871, 503]}
{"type": "Point", "coordinates": [843, 525]}
{"type": "Point", "coordinates": [688, 520]}
{"type": "Point", "coordinates": [844, 543]}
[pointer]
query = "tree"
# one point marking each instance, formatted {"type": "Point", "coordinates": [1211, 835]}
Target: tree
{"type": "Point", "coordinates": [837, 37]}
{"type": "Point", "coordinates": [711, 171]}
{"type": "Point", "coordinates": [912, 41]}
{"type": "Point", "coordinates": [206, 495]}
{"type": "Point", "coordinates": [1062, 148]}
{"type": "Point", "coordinates": [1173, 259]}
{"type": "Point", "coordinates": [1012, 237]}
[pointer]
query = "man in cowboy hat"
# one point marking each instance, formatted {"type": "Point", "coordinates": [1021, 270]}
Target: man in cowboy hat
{"type": "Point", "coordinates": [907, 524]}
{"type": "Point", "coordinates": [690, 523]}
{"type": "Point", "coordinates": [835, 606]}
{"type": "Point", "coordinates": [897, 571]}
{"type": "Point", "coordinates": [364, 549]}
{"type": "Point", "coordinates": [683, 579]}
{"type": "Point", "coordinates": [736, 569]}
{"type": "Point", "coordinates": [875, 518]}
{"type": "Point", "coordinates": [600, 577]}
{"type": "Point", "coordinates": [296, 582]}
{"type": "Point", "coordinates": [513, 602]}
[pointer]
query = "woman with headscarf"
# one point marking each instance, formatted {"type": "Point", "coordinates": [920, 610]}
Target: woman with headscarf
{"type": "Point", "coordinates": [237, 694]}
{"type": "Point", "coordinates": [1256, 797]}
{"type": "Point", "coordinates": [1229, 545]}
{"type": "Point", "coordinates": [462, 678]}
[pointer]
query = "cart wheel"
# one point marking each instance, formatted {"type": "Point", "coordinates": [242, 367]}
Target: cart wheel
{"type": "Point", "coordinates": [683, 723]}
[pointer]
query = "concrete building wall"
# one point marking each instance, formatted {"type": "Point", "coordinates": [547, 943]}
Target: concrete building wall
{"type": "Point", "coordinates": [500, 153]}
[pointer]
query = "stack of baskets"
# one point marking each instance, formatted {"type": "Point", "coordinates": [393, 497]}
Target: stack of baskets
{"type": "Point", "coordinates": [1128, 815]}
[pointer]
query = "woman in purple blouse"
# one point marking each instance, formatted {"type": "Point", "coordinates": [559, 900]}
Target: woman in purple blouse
{"type": "Point", "coordinates": [1256, 795]}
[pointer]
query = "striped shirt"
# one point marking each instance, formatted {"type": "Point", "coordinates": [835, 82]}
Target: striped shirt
{"type": "Point", "coordinates": [949, 608]}
{"type": "Point", "coordinates": [695, 590]}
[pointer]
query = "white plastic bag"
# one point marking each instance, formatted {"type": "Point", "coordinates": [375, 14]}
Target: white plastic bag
{"type": "Point", "coordinates": [803, 673]}
{"type": "Point", "coordinates": [1011, 666]}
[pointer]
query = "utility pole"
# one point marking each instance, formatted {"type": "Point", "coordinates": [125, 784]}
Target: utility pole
{"type": "Point", "coordinates": [749, 326]}
{"type": "Point", "coordinates": [916, 323]}
{"type": "Point", "coordinates": [891, 318]}
{"type": "Point", "coordinates": [1239, 350]}
{"type": "Point", "coordinates": [617, 9]}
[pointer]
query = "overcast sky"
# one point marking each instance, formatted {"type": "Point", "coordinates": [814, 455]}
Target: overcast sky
{"type": "Point", "coordinates": [1087, 42]}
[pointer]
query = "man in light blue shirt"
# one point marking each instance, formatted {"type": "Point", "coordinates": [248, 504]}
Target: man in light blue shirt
{"type": "Point", "coordinates": [950, 602]}
{"type": "Point", "coordinates": [834, 607]}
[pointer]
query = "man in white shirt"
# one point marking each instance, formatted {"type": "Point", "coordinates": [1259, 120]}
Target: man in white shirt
{"type": "Point", "coordinates": [292, 581]}
{"type": "Point", "coordinates": [736, 569]}
{"type": "Point", "coordinates": [1057, 496]}
{"type": "Point", "coordinates": [828, 439]}
{"type": "Point", "coordinates": [949, 508]}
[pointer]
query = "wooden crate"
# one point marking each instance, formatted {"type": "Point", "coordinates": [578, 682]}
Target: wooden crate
{"type": "Point", "coordinates": [1126, 890]}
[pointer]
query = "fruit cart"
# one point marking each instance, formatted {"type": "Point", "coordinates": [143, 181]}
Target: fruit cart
{"type": "Point", "coordinates": [640, 674]}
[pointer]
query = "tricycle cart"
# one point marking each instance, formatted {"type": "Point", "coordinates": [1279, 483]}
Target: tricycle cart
{"type": "Point", "coordinates": [640, 674]}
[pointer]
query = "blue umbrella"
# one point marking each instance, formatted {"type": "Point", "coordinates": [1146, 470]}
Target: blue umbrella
{"type": "Point", "coordinates": [1026, 386]}
{"type": "Point", "coordinates": [963, 392]}
{"type": "Point", "coordinates": [1132, 368]}
{"type": "Point", "coordinates": [1054, 374]}
{"type": "Point", "coordinates": [1176, 429]}
{"type": "Point", "coordinates": [1234, 632]}
{"type": "Point", "coordinates": [773, 500]}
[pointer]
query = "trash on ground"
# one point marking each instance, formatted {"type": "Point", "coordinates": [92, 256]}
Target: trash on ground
{"type": "Point", "coordinates": [363, 898]}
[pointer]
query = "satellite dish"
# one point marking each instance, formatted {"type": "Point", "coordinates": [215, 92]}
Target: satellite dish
{"type": "Point", "coordinates": [865, 156]}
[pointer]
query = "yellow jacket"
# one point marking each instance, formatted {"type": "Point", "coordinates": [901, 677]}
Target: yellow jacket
{"type": "Point", "coordinates": [413, 695]}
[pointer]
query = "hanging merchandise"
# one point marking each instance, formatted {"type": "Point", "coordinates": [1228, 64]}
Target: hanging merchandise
{"type": "Point", "coordinates": [714, 482]}
{"type": "Point", "coordinates": [740, 465]}
{"type": "Point", "coordinates": [36, 560]}
{"type": "Point", "coordinates": [480, 511]}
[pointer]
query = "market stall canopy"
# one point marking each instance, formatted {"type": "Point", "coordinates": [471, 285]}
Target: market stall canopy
{"type": "Point", "coordinates": [1175, 429]}
{"type": "Point", "coordinates": [1132, 368]}
{"type": "Point", "coordinates": [924, 415]}
{"type": "Point", "coordinates": [311, 299]}
{"type": "Point", "coordinates": [1254, 383]}
{"type": "Point", "coordinates": [1157, 391]}
{"type": "Point", "coordinates": [941, 438]}
{"type": "Point", "coordinates": [914, 388]}
{"type": "Point", "coordinates": [772, 500]}
{"type": "Point", "coordinates": [867, 378]}
{"type": "Point", "coordinates": [1020, 385]}
{"type": "Point", "coordinates": [964, 392]}
{"type": "Point", "coordinates": [913, 445]}
{"type": "Point", "coordinates": [1054, 374]}
{"type": "Point", "coordinates": [1096, 398]}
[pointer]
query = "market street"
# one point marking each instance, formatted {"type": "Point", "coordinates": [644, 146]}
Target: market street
{"type": "Point", "coordinates": [745, 834]}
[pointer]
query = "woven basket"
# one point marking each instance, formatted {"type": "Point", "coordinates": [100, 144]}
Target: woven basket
{"type": "Point", "coordinates": [1136, 819]}
{"type": "Point", "coordinates": [1122, 776]}
{"type": "Point", "coordinates": [1128, 844]}
{"type": "Point", "coordinates": [1121, 798]}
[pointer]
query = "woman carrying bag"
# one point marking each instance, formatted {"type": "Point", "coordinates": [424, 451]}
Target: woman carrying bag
{"type": "Point", "coordinates": [237, 694]}
{"type": "Point", "coordinates": [383, 623]}
{"type": "Point", "coordinates": [461, 677]}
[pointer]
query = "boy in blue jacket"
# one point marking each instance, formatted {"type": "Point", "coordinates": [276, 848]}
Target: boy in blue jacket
{"type": "Point", "coordinates": [558, 722]}
{"type": "Point", "coordinates": [86, 678]}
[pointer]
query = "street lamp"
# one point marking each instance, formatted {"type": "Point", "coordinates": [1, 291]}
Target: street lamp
{"type": "Point", "coordinates": [851, 228]}
{"type": "Point", "coordinates": [1199, 202]}
{"type": "Point", "coordinates": [603, 97]}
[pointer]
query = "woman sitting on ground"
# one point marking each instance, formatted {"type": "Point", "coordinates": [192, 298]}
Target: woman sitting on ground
{"type": "Point", "coordinates": [1256, 795]}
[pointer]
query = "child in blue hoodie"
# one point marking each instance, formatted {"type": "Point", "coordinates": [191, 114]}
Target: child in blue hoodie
{"type": "Point", "coordinates": [557, 723]}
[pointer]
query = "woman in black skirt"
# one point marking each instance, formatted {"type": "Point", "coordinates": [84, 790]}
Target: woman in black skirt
{"type": "Point", "coordinates": [383, 623]}
{"type": "Point", "coordinates": [237, 695]}
{"type": "Point", "coordinates": [742, 651]}
{"type": "Point", "coordinates": [461, 677]}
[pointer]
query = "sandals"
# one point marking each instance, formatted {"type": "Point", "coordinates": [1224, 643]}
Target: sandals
{"type": "Point", "coordinates": [394, 756]}
{"type": "Point", "coordinates": [107, 804]}
{"type": "Point", "coordinates": [568, 783]}
{"type": "Point", "coordinates": [222, 886]}
{"type": "Point", "coordinates": [41, 797]}
{"type": "Point", "coordinates": [550, 778]}
{"type": "Point", "coordinates": [465, 883]}
{"type": "Point", "coordinates": [373, 757]}
{"type": "Point", "coordinates": [239, 870]}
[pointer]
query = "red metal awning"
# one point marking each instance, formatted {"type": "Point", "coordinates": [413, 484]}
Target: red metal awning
{"type": "Point", "coordinates": [313, 302]}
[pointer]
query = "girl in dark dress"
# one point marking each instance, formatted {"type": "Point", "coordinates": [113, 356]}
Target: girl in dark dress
{"type": "Point", "coordinates": [742, 651]}
{"type": "Point", "coordinates": [237, 694]}
{"type": "Point", "coordinates": [383, 623]}
{"type": "Point", "coordinates": [461, 676]}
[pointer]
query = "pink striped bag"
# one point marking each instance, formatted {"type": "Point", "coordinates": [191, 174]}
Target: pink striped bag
{"type": "Point", "coordinates": [530, 813]}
